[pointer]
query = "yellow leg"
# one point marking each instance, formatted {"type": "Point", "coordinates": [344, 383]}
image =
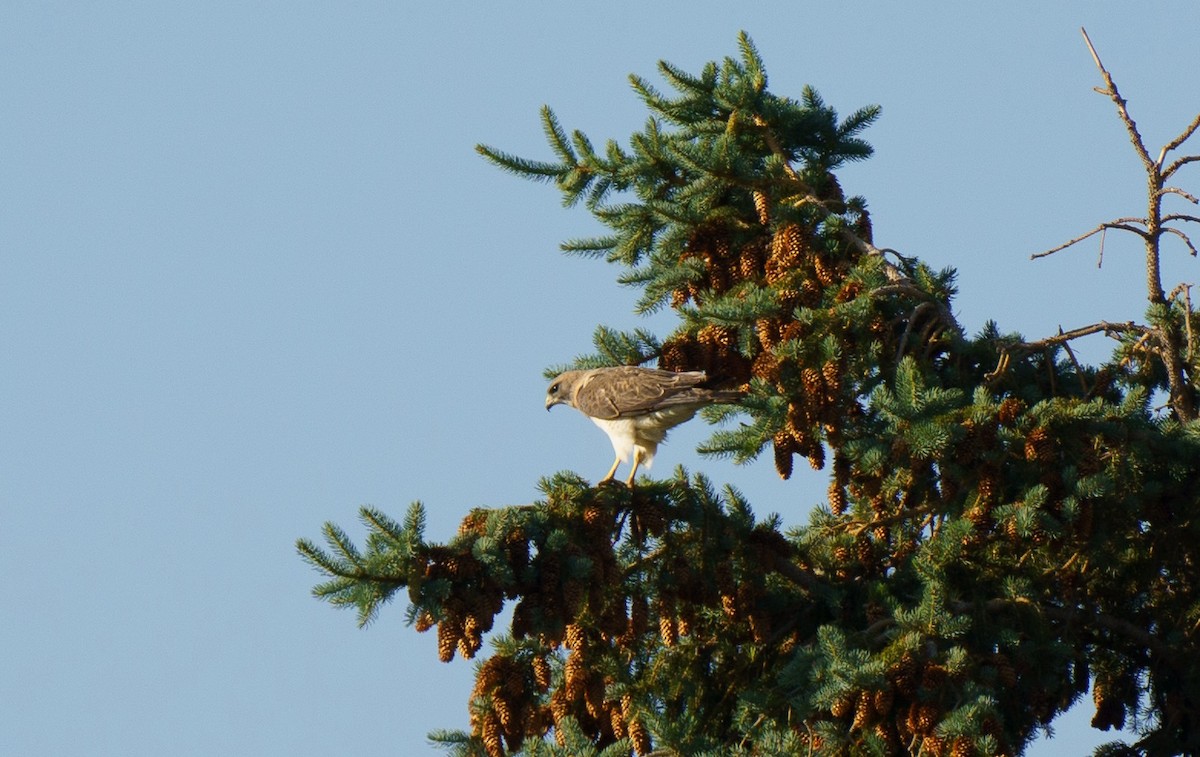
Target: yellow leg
{"type": "Point", "coordinates": [611, 472]}
{"type": "Point", "coordinates": [637, 460]}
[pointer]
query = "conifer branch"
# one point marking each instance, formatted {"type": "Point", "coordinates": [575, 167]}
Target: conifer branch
{"type": "Point", "coordinates": [1083, 619]}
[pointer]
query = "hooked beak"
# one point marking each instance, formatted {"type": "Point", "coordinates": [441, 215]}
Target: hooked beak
{"type": "Point", "coordinates": [550, 402]}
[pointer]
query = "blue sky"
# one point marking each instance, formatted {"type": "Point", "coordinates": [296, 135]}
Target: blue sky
{"type": "Point", "coordinates": [253, 275]}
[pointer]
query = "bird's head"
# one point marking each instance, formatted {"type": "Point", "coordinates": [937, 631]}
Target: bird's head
{"type": "Point", "coordinates": [559, 392]}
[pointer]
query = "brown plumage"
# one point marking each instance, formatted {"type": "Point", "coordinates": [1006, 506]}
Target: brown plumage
{"type": "Point", "coordinates": [635, 406]}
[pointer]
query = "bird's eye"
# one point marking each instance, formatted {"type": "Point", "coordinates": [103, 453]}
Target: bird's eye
{"type": "Point", "coordinates": [554, 389]}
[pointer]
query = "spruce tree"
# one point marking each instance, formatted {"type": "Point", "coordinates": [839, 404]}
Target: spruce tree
{"type": "Point", "coordinates": [1006, 528]}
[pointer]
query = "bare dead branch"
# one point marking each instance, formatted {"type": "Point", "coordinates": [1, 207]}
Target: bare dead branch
{"type": "Point", "coordinates": [908, 327]}
{"type": "Point", "coordinates": [1103, 327]}
{"type": "Point", "coordinates": [999, 370]}
{"type": "Point", "coordinates": [1191, 247]}
{"type": "Point", "coordinates": [1183, 137]}
{"type": "Point", "coordinates": [1178, 164]}
{"type": "Point", "coordinates": [857, 527]}
{"type": "Point", "coordinates": [1117, 223]}
{"type": "Point", "coordinates": [1113, 94]}
{"type": "Point", "coordinates": [1180, 217]}
{"type": "Point", "coordinates": [1177, 191]}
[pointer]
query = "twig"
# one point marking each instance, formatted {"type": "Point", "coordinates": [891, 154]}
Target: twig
{"type": "Point", "coordinates": [1048, 357]}
{"type": "Point", "coordinates": [1140, 344]}
{"type": "Point", "coordinates": [1187, 318]}
{"type": "Point", "coordinates": [1186, 291]}
{"type": "Point", "coordinates": [1071, 354]}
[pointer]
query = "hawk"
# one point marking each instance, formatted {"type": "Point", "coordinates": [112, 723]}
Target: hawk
{"type": "Point", "coordinates": [635, 406]}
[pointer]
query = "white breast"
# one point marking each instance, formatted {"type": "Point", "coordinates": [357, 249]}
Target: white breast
{"type": "Point", "coordinates": [643, 432]}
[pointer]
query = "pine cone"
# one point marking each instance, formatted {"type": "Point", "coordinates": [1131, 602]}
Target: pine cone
{"type": "Point", "coordinates": [767, 330]}
{"type": "Point", "coordinates": [574, 637]}
{"type": "Point", "coordinates": [617, 722]}
{"type": "Point", "coordinates": [491, 735]}
{"type": "Point", "coordinates": [474, 523]}
{"type": "Point", "coordinates": [762, 207]}
{"type": "Point", "coordinates": [503, 711]}
{"type": "Point", "coordinates": [541, 673]}
{"type": "Point", "coordinates": [718, 277]}
{"type": "Point", "coordinates": [667, 630]}
{"type": "Point", "coordinates": [1039, 447]}
{"type": "Point", "coordinates": [1010, 409]}
{"type": "Point", "coordinates": [988, 485]}
{"type": "Point", "coordinates": [787, 246]}
{"type": "Point", "coordinates": [933, 677]}
{"type": "Point", "coordinates": [826, 273]}
{"type": "Point", "coordinates": [813, 383]}
{"type": "Point", "coordinates": [640, 738]}
{"type": "Point", "coordinates": [816, 457]}
{"type": "Point", "coordinates": [472, 638]}
{"type": "Point", "coordinates": [884, 699]}
{"type": "Point", "coordinates": [927, 718]}
{"type": "Point", "coordinates": [903, 675]}
{"type": "Point", "coordinates": [468, 646]}
{"type": "Point", "coordinates": [864, 711]}
{"type": "Point", "coordinates": [448, 633]}
{"type": "Point", "coordinates": [849, 291]}
{"type": "Point", "coordinates": [841, 707]}
{"type": "Point", "coordinates": [831, 372]}
{"type": "Point", "coordinates": [1110, 712]}
{"type": "Point", "coordinates": [574, 677]}
{"type": "Point", "coordinates": [424, 622]}
{"type": "Point", "coordinates": [837, 498]}
{"type": "Point", "coordinates": [560, 708]}
{"type": "Point", "coordinates": [750, 262]}
{"type": "Point", "coordinates": [783, 455]}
